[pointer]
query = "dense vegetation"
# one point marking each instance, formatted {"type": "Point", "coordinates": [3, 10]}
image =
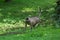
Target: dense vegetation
{"type": "Point", "coordinates": [12, 15]}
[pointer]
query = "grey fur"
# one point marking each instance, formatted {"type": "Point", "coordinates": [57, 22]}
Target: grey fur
{"type": "Point", "coordinates": [32, 21]}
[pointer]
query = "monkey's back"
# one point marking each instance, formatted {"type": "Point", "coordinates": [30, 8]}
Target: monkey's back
{"type": "Point", "coordinates": [34, 20]}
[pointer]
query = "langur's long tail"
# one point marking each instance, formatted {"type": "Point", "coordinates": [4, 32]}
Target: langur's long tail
{"type": "Point", "coordinates": [39, 11]}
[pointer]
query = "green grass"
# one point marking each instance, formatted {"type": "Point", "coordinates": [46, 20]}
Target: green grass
{"type": "Point", "coordinates": [13, 14]}
{"type": "Point", "coordinates": [36, 34]}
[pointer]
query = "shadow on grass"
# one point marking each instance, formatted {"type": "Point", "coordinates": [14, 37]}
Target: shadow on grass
{"type": "Point", "coordinates": [22, 31]}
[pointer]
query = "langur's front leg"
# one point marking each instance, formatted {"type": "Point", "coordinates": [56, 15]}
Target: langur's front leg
{"type": "Point", "coordinates": [31, 26]}
{"type": "Point", "coordinates": [25, 25]}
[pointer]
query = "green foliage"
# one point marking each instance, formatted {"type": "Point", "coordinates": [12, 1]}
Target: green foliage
{"type": "Point", "coordinates": [12, 17]}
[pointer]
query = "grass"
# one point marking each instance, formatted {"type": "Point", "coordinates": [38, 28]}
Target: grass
{"type": "Point", "coordinates": [35, 34]}
{"type": "Point", "coordinates": [13, 14]}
